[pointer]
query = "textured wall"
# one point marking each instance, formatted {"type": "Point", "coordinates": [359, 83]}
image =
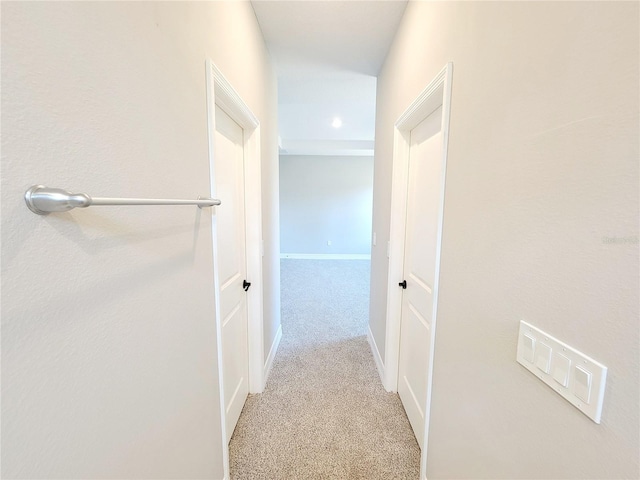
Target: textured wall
{"type": "Point", "coordinates": [325, 198]}
{"type": "Point", "coordinates": [109, 365]}
{"type": "Point", "coordinates": [270, 213]}
{"type": "Point", "coordinates": [541, 223]}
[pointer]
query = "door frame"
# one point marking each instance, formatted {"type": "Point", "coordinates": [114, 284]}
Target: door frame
{"type": "Point", "coordinates": [436, 94]}
{"type": "Point", "coordinates": [220, 92]}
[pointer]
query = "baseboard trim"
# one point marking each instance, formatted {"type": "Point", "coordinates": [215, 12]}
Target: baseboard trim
{"type": "Point", "coordinates": [327, 256]}
{"type": "Point", "coordinates": [272, 354]}
{"type": "Point", "coordinates": [376, 355]}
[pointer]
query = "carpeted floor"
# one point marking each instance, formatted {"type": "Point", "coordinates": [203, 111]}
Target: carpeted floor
{"type": "Point", "coordinates": [324, 413]}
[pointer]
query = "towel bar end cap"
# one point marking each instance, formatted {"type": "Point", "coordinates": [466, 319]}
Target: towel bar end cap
{"type": "Point", "coordinates": [43, 200]}
{"type": "Point", "coordinates": [28, 198]}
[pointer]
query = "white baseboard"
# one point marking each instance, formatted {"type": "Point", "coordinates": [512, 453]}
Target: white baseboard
{"type": "Point", "coordinates": [272, 354]}
{"type": "Point", "coordinates": [327, 256]}
{"type": "Point", "coordinates": [376, 355]}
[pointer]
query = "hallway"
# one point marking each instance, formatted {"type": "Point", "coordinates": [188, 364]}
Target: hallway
{"type": "Point", "coordinates": [112, 316]}
{"type": "Point", "coordinates": [324, 413]}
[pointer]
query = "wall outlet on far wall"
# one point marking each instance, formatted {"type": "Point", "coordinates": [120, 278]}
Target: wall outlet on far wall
{"type": "Point", "coordinates": [329, 242]}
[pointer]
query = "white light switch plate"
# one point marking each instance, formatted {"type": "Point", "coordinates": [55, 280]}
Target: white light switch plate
{"type": "Point", "coordinates": [586, 378]}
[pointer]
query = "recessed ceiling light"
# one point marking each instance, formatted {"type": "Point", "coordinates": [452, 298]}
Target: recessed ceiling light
{"type": "Point", "coordinates": [337, 123]}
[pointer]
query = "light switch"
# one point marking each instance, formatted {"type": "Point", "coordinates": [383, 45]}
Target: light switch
{"type": "Point", "coordinates": [575, 376]}
{"type": "Point", "coordinates": [543, 357]}
{"type": "Point", "coordinates": [528, 347]}
{"type": "Point", "coordinates": [582, 386]}
{"type": "Point", "coordinates": [561, 368]}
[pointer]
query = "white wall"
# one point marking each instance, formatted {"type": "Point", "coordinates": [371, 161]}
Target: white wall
{"type": "Point", "coordinates": [325, 198]}
{"type": "Point", "coordinates": [543, 168]}
{"type": "Point", "coordinates": [109, 364]}
{"type": "Point", "coordinates": [270, 200]}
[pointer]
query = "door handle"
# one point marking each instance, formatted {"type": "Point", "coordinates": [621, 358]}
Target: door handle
{"type": "Point", "coordinates": [403, 284]}
{"type": "Point", "coordinates": [246, 285]}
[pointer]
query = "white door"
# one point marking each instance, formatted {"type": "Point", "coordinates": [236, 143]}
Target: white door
{"type": "Point", "coordinates": [229, 179]}
{"type": "Point", "coordinates": [423, 210]}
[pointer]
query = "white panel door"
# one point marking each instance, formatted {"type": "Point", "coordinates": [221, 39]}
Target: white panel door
{"type": "Point", "coordinates": [229, 179]}
{"type": "Point", "coordinates": [423, 210]}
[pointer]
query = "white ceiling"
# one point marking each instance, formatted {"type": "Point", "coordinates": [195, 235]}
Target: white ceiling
{"type": "Point", "coordinates": [327, 55]}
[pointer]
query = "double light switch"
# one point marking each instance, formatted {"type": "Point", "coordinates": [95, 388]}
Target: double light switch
{"type": "Point", "coordinates": [577, 377]}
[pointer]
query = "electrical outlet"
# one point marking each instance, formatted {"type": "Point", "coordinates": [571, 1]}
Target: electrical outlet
{"type": "Point", "coordinates": [329, 242]}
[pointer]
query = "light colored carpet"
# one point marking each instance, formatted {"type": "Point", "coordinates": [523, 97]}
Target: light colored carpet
{"type": "Point", "coordinates": [324, 413]}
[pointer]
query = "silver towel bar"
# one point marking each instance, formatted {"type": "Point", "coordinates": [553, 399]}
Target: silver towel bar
{"type": "Point", "coordinates": [43, 200]}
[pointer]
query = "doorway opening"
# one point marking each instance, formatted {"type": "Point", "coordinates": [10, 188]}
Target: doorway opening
{"type": "Point", "coordinates": [326, 129]}
{"type": "Point", "coordinates": [324, 391]}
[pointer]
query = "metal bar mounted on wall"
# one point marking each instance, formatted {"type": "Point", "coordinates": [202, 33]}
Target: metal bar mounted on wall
{"type": "Point", "coordinates": [43, 200]}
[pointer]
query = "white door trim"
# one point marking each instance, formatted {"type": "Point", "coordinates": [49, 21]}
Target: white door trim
{"type": "Point", "coordinates": [436, 94]}
{"type": "Point", "coordinates": [221, 93]}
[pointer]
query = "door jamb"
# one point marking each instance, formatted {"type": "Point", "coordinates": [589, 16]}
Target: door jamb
{"type": "Point", "coordinates": [220, 92]}
{"type": "Point", "coordinates": [436, 94]}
